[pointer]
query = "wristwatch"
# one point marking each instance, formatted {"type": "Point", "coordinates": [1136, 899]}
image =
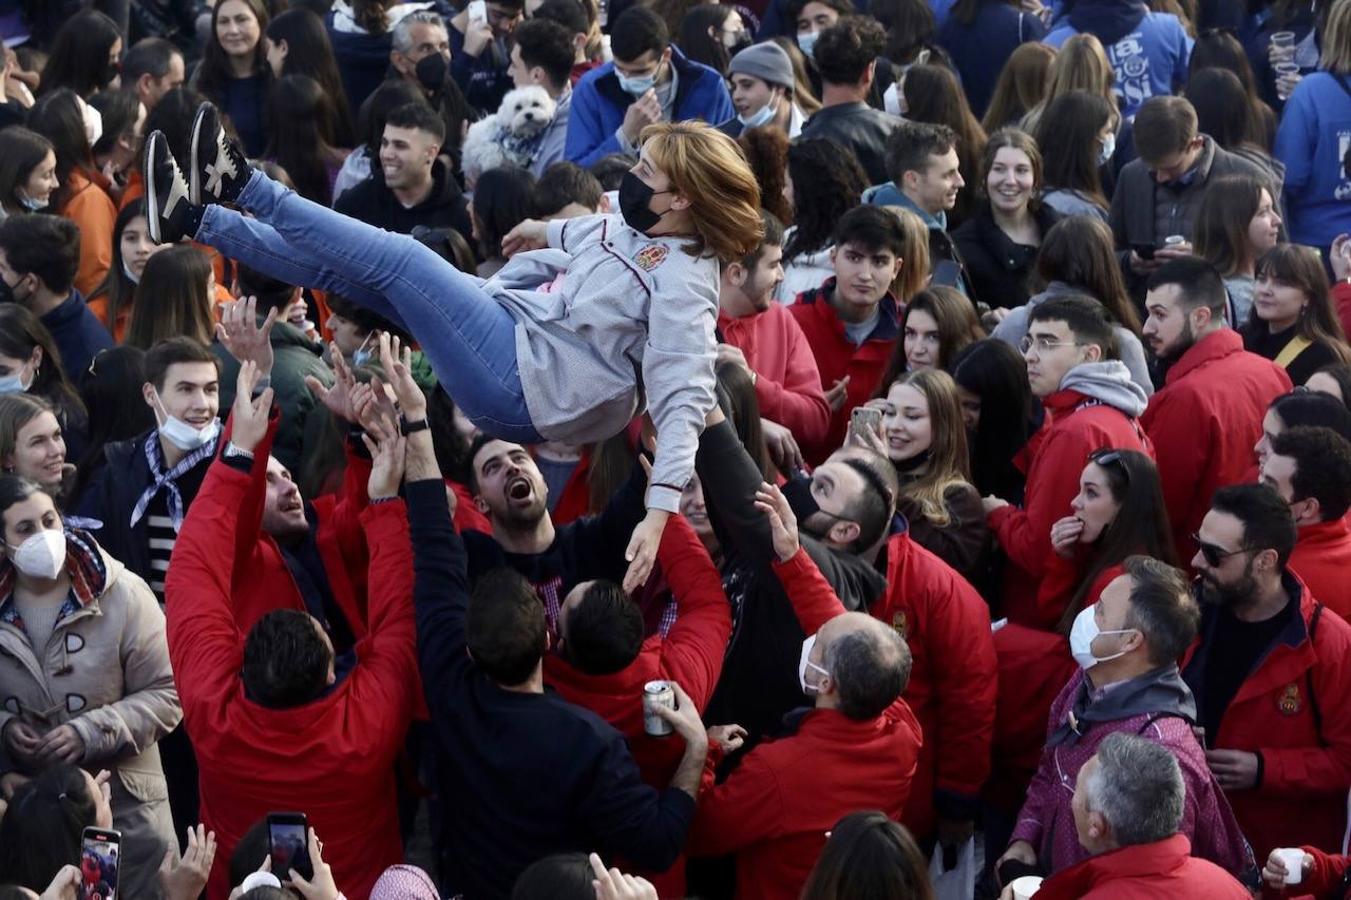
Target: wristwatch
{"type": "Point", "coordinates": [234, 451]}
{"type": "Point", "coordinates": [406, 427]}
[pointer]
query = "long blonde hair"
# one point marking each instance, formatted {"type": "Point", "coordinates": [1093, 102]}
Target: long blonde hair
{"type": "Point", "coordinates": [708, 168]}
{"type": "Point", "coordinates": [949, 465]}
{"type": "Point", "coordinates": [1080, 65]}
{"type": "Point", "coordinates": [1337, 39]}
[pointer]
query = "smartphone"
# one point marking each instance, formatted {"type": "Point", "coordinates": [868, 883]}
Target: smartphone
{"type": "Point", "coordinates": [288, 842]}
{"type": "Point", "coordinates": [1144, 251]}
{"type": "Point", "coordinates": [99, 860]}
{"type": "Point", "coordinates": [478, 11]}
{"type": "Point", "coordinates": [865, 419]}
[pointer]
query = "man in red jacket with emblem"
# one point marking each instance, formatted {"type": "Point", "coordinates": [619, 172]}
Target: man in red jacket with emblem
{"type": "Point", "coordinates": [851, 321]}
{"type": "Point", "coordinates": [275, 723]}
{"type": "Point", "coordinates": [856, 749]}
{"type": "Point", "coordinates": [1205, 420]}
{"type": "Point", "coordinates": [1270, 671]}
{"type": "Point", "coordinates": [1091, 403]}
{"type": "Point", "coordinates": [1310, 467]}
{"type": "Point", "coordinates": [1127, 806]}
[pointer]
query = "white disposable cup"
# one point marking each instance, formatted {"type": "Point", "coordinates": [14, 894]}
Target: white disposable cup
{"type": "Point", "coordinates": [1293, 858]}
{"type": "Point", "coordinates": [1025, 887]}
{"type": "Point", "coordinates": [1283, 44]}
{"type": "Point", "coordinates": [1174, 240]}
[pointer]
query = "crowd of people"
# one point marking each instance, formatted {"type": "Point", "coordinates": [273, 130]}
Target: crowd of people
{"type": "Point", "coordinates": [653, 449]}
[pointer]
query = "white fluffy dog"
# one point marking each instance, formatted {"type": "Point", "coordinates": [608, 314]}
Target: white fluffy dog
{"type": "Point", "coordinates": [510, 136]}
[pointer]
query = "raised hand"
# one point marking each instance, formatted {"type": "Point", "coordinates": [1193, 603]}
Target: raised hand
{"type": "Point", "coordinates": [1065, 535]}
{"type": "Point", "coordinates": [783, 531]}
{"type": "Point", "coordinates": [321, 886]}
{"type": "Point", "coordinates": [642, 550]}
{"type": "Point", "coordinates": [387, 448]}
{"type": "Point", "coordinates": [613, 884]}
{"type": "Point", "coordinates": [239, 332]}
{"type": "Point", "coordinates": [397, 361]}
{"type": "Point", "coordinates": [337, 398]}
{"type": "Point", "coordinates": [249, 415]}
{"type": "Point", "coordinates": [185, 879]}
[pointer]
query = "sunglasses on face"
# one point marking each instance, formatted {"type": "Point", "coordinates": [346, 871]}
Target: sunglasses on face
{"type": "Point", "coordinates": [1214, 554]}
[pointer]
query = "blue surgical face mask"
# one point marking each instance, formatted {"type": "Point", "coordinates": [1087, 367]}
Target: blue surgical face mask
{"type": "Point", "coordinates": [13, 384]}
{"type": "Point", "coordinates": [763, 116]}
{"type": "Point", "coordinates": [29, 203]}
{"type": "Point", "coordinates": [635, 85]}
{"type": "Point", "coordinates": [361, 355]}
{"type": "Point", "coordinates": [806, 41]}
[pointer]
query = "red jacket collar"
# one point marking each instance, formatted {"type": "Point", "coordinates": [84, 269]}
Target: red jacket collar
{"type": "Point", "coordinates": [1140, 860]}
{"type": "Point", "coordinates": [1216, 345]}
{"type": "Point", "coordinates": [1061, 404]}
{"type": "Point", "coordinates": [1324, 533]}
{"type": "Point", "coordinates": [888, 320]}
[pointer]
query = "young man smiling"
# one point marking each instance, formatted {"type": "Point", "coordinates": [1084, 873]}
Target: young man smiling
{"type": "Point", "coordinates": [851, 320]}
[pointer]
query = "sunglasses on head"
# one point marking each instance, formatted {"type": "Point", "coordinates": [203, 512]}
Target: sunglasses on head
{"type": "Point", "coordinates": [1214, 554]}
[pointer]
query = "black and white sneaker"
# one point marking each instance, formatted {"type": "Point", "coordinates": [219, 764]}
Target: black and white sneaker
{"type": "Point", "coordinates": [171, 216]}
{"type": "Point", "coordinates": [219, 169]}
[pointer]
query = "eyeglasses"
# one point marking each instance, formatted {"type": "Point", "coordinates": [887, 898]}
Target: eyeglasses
{"type": "Point", "coordinates": [1214, 554]}
{"type": "Point", "coordinates": [1043, 344]}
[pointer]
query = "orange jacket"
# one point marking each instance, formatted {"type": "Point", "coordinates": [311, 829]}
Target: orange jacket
{"type": "Point", "coordinates": [91, 207]}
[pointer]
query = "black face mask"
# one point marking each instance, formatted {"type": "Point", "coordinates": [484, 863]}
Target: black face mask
{"type": "Point", "coordinates": [635, 198]}
{"type": "Point", "coordinates": [431, 72]}
{"type": "Point", "coordinates": [798, 492]}
{"type": "Point", "coordinates": [741, 44]}
{"type": "Point", "coordinates": [7, 292]}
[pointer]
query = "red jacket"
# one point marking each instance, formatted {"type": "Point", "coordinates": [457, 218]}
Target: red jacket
{"type": "Point", "coordinates": [774, 810]}
{"type": "Point", "coordinates": [1204, 423]}
{"type": "Point", "coordinates": [1322, 558]}
{"type": "Point", "coordinates": [1075, 426]}
{"type": "Point", "coordinates": [1163, 869]}
{"type": "Point", "coordinates": [333, 758]}
{"type": "Point", "coordinates": [262, 582]}
{"type": "Point", "coordinates": [787, 382]}
{"type": "Point", "coordinates": [1292, 711]}
{"type": "Point", "coordinates": [1324, 881]}
{"type": "Point", "coordinates": [953, 679]}
{"type": "Point", "coordinates": [1341, 297]}
{"type": "Point", "coordinates": [691, 655]}
{"type": "Point", "coordinates": [837, 357]}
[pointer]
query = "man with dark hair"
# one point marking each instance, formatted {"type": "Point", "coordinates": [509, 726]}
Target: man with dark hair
{"type": "Point", "coordinates": [509, 489]}
{"type": "Point", "coordinates": [152, 68]}
{"type": "Point", "coordinates": [1269, 670]}
{"type": "Point", "coordinates": [524, 773]}
{"type": "Point", "coordinates": [846, 56]}
{"type": "Point", "coordinates": [565, 190]}
{"type": "Point", "coordinates": [764, 338]}
{"type": "Point", "coordinates": [277, 721]}
{"type": "Point", "coordinates": [572, 16]}
{"type": "Point", "coordinates": [1129, 808]}
{"type": "Point", "coordinates": [541, 55]}
{"type": "Point", "coordinates": [851, 321]}
{"type": "Point", "coordinates": [39, 256]}
{"type": "Point", "coordinates": [479, 52]}
{"type": "Point", "coordinates": [1310, 467]}
{"type": "Point", "coordinates": [1091, 403]}
{"type": "Point", "coordinates": [148, 483]}
{"type": "Point", "coordinates": [605, 661]}
{"type": "Point", "coordinates": [649, 81]}
{"type": "Point", "coordinates": [1157, 196]}
{"type": "Point", "coordinates": [1130, 639]}
{"type": "Point", "coordinates": [413, 184]}
{"type": "Point", "coordinates": [857, 747]}
{"type": "Point", "coordinates": [1206, 418]}
{"type": "Point", "coordinates": [925, 179]}
{"type": "Point", "coordinates": [763, 84]}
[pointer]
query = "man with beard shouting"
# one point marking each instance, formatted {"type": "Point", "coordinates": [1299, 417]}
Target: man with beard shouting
{"type": "Point", "coordinates": [509, 489]}
{"type": "Point", "coordinates": [1270, 671]}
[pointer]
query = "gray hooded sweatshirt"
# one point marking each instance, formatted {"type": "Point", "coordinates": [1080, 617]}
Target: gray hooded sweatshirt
{"type": "Point", "coordinates": [1110, 382]}
{"type": "Point", "coordinates": [1014, 326]}
{"type": "Point", "coordinates": [632, 319]}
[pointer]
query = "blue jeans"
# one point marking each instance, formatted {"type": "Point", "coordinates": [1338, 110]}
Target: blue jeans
{"type": "Point", "coordinates": [468, 336]}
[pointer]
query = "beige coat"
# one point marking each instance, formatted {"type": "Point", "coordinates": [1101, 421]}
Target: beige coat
{"type": "Point", "coordinates": [105, 671]}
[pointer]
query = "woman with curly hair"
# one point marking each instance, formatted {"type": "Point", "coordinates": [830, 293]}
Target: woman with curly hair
{"type": "Point", "coordinates": [766, 150]}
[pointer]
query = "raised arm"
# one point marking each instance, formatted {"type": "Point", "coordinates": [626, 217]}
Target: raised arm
{"type": "Point", "coordinates": [730, 480]}
{"type": "Point", "coordinates": [693, 651]}
{"type": "Point", "coordinates": [814, 601]}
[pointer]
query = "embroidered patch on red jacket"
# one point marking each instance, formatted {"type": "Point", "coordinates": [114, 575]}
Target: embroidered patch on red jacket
{"type": "Point", "coordinates": [1289, 702]}
{"type": "Point", "coordinates": [651, 256]}
{"type": "Point", "coordinates": [899, 624]}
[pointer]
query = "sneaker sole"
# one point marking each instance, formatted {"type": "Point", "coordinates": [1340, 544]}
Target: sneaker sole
{"type": "Point", "coordinates": [195, 170]}
{"type": "Point", "coordinates": [151, 197]}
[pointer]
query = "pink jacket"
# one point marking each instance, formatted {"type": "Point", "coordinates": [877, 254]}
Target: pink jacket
{"type": "Point", "coordinates": [787, 383]}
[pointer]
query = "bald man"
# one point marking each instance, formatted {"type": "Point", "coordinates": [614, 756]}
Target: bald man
{"type": "Point", "coordinates": [855, 748]}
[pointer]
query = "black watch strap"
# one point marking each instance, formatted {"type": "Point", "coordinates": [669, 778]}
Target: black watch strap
{"type": "Point", "coordinates": [406, 427]}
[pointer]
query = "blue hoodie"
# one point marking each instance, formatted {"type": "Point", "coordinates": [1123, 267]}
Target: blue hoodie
{"type": "Point", "coordinates": [1148, 51]}
{"type": "Point", "coordinates": [1314, 142]}
{"type": "Point", "coordinates": [980, 50]}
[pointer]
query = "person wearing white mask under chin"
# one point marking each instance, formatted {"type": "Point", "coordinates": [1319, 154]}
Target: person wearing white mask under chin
{"type": "Point", "coordinates": [762, 91]}
{"type": "Point", "coordinates": [1126, 646]}
{"type": "Point", "coordinates": [147, 483]}
{"type": "Point", "coordinates": [91, 684]}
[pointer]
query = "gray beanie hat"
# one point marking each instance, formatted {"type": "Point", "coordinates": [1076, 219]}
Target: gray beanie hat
{"type": "Point", "coordinates": [765, 61]}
